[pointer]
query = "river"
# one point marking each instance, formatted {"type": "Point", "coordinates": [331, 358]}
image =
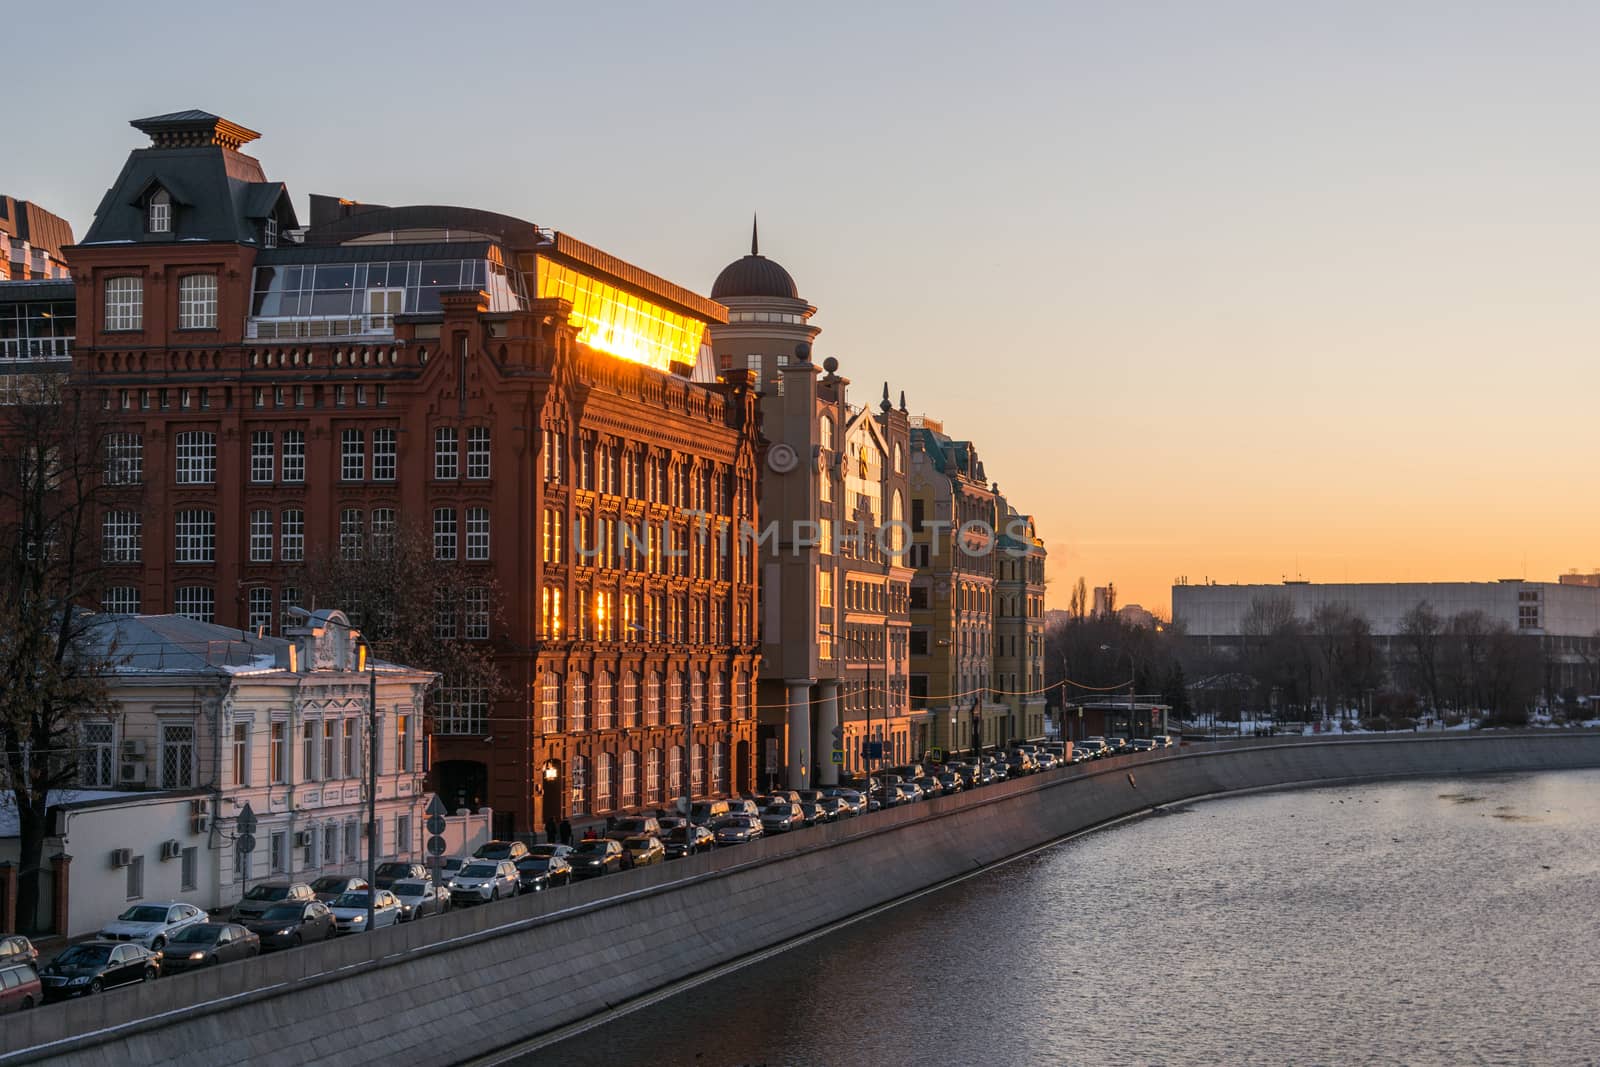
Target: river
{"type": "Point", "coordinates": [1441, 921]}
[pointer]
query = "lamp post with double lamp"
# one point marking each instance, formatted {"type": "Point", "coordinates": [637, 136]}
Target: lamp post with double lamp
{"type": "Point", "coordinates": [369, 662]}
{"type": "Point", "coordinates": [1133, 683]}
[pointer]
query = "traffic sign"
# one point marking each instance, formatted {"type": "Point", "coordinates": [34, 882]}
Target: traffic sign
{"type": "Point", "coordinates": [838, 755]}
{"type": "Point", "coordinates": [936, 755]}
{"type": "Point", "coordinates": [435, 824]}
{"type": "Point", "coordinates": [246, 822]}
{"type": "Point", "coordinates": [872, 750]}
{"type": "Point", "coordinates": [436, 806]}
{"type": "Point", "coordinates": [436, 846]}
{"type": "Point", "coordinates": [245, 842]}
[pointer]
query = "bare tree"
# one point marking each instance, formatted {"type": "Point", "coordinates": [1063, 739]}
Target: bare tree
{"type": "Point", "coordinates": [1078, 606]}
{"type": "Point", "coordinates": [52, 465]}
{"type": "Point", "coordinates": [1420, 630]}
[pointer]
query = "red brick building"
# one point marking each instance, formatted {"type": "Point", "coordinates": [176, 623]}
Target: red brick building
{"type": "Point", "coordinates": [516, 392]}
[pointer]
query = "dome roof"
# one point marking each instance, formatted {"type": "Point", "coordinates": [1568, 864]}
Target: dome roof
{"type": "Point", "coordinates": [754, 275]}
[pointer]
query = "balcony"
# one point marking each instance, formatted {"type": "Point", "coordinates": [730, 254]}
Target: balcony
{"type": "Point", "coordinates": [28, 349]}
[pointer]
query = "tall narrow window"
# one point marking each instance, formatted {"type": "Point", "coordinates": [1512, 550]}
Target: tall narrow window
{"type": "Point", "coordinates": [352, 754]}
{"type": "Point", "coordinates": [261, 536]}
{"type": "Point", "coordinates": [292, 534]}
{"type": "Point", "coordinates": [177, 756]}
{"type": "Point", "coordinates": [122, 534]}
{"type": "Point", "coordinates": [477, 533]}
{"type": "Point", "coordinates": [196, 537]}
{"type": "Point", "coordinates": [476, 613]}
{"type": "Point", "coordinates": [241, 753]}
{"type": "Point", "coordinates": [351, 533]}
{"type": "Point", "coordinates": [259, 618]}
{"type": "Point", "coordinates": [98, 763]}
{"type": "Point", "coordinates": [197, 458]}
{"type": "Point", "coordinates": [446, 461]}
{"type": "Point", "coordinates": [159, 215]}
{"type": "Point", "coordinates": [124, 459]}
{"type": "Point", "coordinates": [308, 751]}
{"type": "Point", "coordinates": [382, 532]}
{"type": "Point", "coordinates": [280, 753]}
{"type": "Point", "coordinates": [478, 452]}
{"type": "Point", "coordinates": [402, 743]}
{"type": "Point", "coordinates": [262, 465]}
{"type": "Point", "coordinates": [197, 302]}
{"type": "Point", "coordinates": [352, 456]}
{"type": "Point", "coordinates": [124, 303]}
{"type": "Point", "coordinates": [444, 533]}
{"type": "Point", "coordinates": [294, 455]}
{"type": "Point", "coordinates": [384, 445]}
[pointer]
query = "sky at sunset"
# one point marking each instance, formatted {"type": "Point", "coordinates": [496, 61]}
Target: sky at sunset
{"type": "Point", "coordinates": [1226, 290]}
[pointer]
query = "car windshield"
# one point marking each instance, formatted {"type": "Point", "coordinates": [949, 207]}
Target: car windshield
{"type": "Point", "coordinates": [410, 889]}
{"type": "Point", "coordinates": [543, 850]}
{"type": "Point", "coordinates": [80, 955]}
{"type": "Point", "coordinates": [282, 913]}
{"type": "Point", "coordinates": [356, 899]}
{"type": "Point", "coordinates": [144, 914]}
{"type": "Point", "coordinates": [330, 884]}
{"type": "Point", "coordinates": [777, 809]}
{"type": "Point", "coordinates": [495, 850]}
{"type": "Point", "coordinates": [590, 848]}
{"type": "Point", "coordinates": [534, 863]}
{"type": "Point", "coordinates": [202, 932]}
{"type": "Point", "coordinates": [268, 892]}
{"type": "Point", "coordinates": [634, 844]}
{"type": "Point", "coordinates": [394, 868]}
{"type": "Point", "coordinates": [630, 825]}
{"type": "Point", "coordinates": [479, 870]}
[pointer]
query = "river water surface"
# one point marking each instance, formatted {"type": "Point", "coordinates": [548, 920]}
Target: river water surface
{"type": "Point", "coordinates": [1444, 921]}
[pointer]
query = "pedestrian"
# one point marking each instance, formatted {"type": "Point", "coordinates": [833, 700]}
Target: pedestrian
{"type": "Point", "coordinates": [611, 823]}
{"type": "Point", "coordinates": [551, 833]}
{"type": "Point", "coordinates": [590, 835]}
{"type": "Point", "coordinates": [566, 832]}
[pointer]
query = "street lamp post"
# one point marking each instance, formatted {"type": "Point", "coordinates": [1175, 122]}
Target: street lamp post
{"type": "Point", "coordinates": [1133, 682]}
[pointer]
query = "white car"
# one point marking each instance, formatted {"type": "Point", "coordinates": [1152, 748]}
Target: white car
{"type": "Point", "coordinates": [483, 880]}
{"type": "Point", "coordinates": [350, 911]}
{"type": "Point", "coordinates": [152, 925]}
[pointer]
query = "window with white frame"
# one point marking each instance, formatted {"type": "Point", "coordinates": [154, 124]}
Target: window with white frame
{"type": "Point", "coordinates": [330, 845]}
{"type": "Point", "coordinates": [652, 776]}
{"type": "Point", "coordinates": [98, 764]}
{"type": "Point", "coordinates": [352, 533]}
{"type": "Point", "coordinates": [577, 703]}
{"type": "Point", "coordinates": [197, 302]}
{"type": "Point", "coordinates": [630, 778]}
{"type": "Point", "coordinates": [120, 600]}
{"type": "Point", "coordinates": [352, 753]}
{"type": "Point", "coordinates": [652, 700]}
{"type": "Point", "coordinates": [476, 613]}
{"type": "Point", "coordinates": [385, 443]}
{"type": "Point", "coordinates": [262, 456]}
{"type": "Point", "coordinates": [197, 458]}
{"type": "Point", "coordinates": [260, 609]}
{"type": "Point", "coordinates": [124, 458]}
{"type": "Point", "coordinates": [477, 533]}
{"type": "Point", "coordinates": [550, 703]}
{"type": "Point", "coordinates": [697, 770]}
{"type": "Point", "coordinates": [278, 757]}
{"type": "Point", "coordinates": [675, 771]}
{"type": "Point", "coordinates": [402, 743]}
{"type": "Point", "coordinates": [446, 463]}
{"type": "Point", "coordinates": [278, 851]}
{"type": "Point", "coordinates": [197, 602]}
{"type": "Point", "coordinates": [294, 455]}
{"type": "Point", "coordinates": [158, 212]}
{"type": "Point", "coordinates": [382, 531]}
{"type": "Point", "coordinates": [352, 840]}
{"type": "Point", "coordinates": [719, 769]}
{"type": "Point", "coordinates": [261, 535]}
{"type": "Point", "coordinates": [289, 598]}
{"type": "Point", "coordinates": [444, 615]}
{"type": "Point", "coordinates": [125, 303]}
{"type": "Point", "coordinates": [196, 537]}
{"type": "Point", "coordinates": [402, 836]}
{"type": "Point", "coordinates": [308, 750]}
{"type": "Point", "coordinates": [240, 768]}
{"type": "Point", "coordinates": [330, 749]}
{"type": "Point", "coordinates": [462, 710]}
{"type": "Point", "coordinates": [292, 535]}
{"type": "Point", "coordinates": [630, 700]}
{"type": "Point", "coordinates": [604, 712]}
{"type": "Point", "coordinates": [177, 755]}
{"type": "Point", "coordinates": [478, 452]}
{"type": "Point", "coordinates": [604, 781]}
{"type": "Point", "coordinates": [444, 533]}
{"type": "Point", "coordinates": [121, 537]}
{"type": "Point", "coordinates": [352, 456]}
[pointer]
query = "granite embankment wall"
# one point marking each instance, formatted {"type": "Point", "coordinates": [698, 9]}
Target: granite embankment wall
{"type": "Point", "coordinates": [472, 981]}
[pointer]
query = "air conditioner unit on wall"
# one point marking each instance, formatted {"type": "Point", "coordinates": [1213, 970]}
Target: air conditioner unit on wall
{"type": "Point", "coordinates": [200, 823]}
{"type": "Point", "coordinates": [121, 857]}
{"type": "Point", "coordinates": [171, 850]}
{"type": "Point", "coordinates": [131, 774]}
{"type": "Point", "coordinates": [302, 838]}
{"type": "Point", "coordinates": [133, 748]}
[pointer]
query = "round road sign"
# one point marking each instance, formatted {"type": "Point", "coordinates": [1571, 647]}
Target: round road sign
{"type": "Point", "coordinates": [435, 846]}
{"type": "Point", "coordinates": [246, 842]}
{"type": "Point", "coordinates": [435, 824]}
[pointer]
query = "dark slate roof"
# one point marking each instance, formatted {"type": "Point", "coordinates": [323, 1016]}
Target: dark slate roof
{"type": "Point", "coordinates": [172, 118]}
{"type": "Point", "coordinates": [177, 643]}
{"type": "Point", "coordinates": [754, 275]}
{"type": "Point", "coordinates": [29, 222]}
{"type": "Point", "coordinates": [42, 289]}
{"type": "Point", "coordinates": [516, 234]}
{"type": "Point", "coordinates": [221, 194]}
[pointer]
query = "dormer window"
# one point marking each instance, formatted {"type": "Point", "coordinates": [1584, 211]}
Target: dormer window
{"type": "Point", "coordinates": [269, 233]}
{"type": "Point", "coordinates": [160, 212]}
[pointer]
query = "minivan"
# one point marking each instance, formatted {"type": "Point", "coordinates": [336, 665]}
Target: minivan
{"type": "Point", "coordinates": [19, 987]}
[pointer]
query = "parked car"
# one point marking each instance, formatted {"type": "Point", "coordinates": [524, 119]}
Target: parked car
{"type": "Point", "coordinates": [547, 850]}
{"type": "Point", "coordinates": [1019, 763]}
{"type": "Point", "coordinates": [350, 911]}
{"type": "Point", "coordinates": [208, 944]}
{"type": "Point", "coordinates": [634, 826]}
{"type": "Point", "coordinates": [1144, 744]}
{"type": "Point", "coordinates": [910, 792]}
{"type": "Point", "coordinates": [152, 925]}
{"type": "Point", "coordinates": [1096, 746]}
{"type": "Point", "coordinates": [738, 829]}
{"type": "Point", "coordinates": [931, 787]}
{"type": "Point", "coordinates": [293, 923]}
{"type": "Point", "coordinates": [501, 850]}
{"type": "Point", "coordinates": [833, 809]}
{"type": "Point", "coordinates": [388, 874]}
{"type": "Point", "coordinates": [535, 874]}
{"type": "Point", "coordinates": [851, 801]}
{"type": "Point", "coordinates": [20, 988]}
{"type": "Point", "coordinates": [1047, 760]}
{"type": "Point", "coordinates": [92, 966]}
{"type": "Point", "coordinates": [419, 897]}
{"type": "Point", "coordinates": [14, 948]}
{"type": "Point", "coordinates": [643, 851]}
{"type": "Point", "coordinates": [263, 896]}
{"type": "Point", "coordinates": [683, 842]}
{"type": "Point", "coordinates": [597, 856]}
{"type": "Point", "coordinates": [484, 880]}
{"type": "Point", "coordinates": [781, 816]}
{"type": "Point", "coordinates": [331, 887]}
{"type": "Point", "coordinates": [812, 813]}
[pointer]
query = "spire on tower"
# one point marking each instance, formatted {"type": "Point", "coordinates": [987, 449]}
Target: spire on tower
{"type": "Point", "coordinates": [755, 245]}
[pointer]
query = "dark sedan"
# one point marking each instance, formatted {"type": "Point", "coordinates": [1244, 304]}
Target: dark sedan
{"type": "Point", "coordinates": [679, 843]}
{"type": "Point", "coordinates": [331, 887]}
{"type": "Point", "coordinates": [738, 829]}
{"type": "Point", "coordinates": [592, 858]}
{"type": "Point", "coordinates": [288, 925]}
{"type": "Point", "coordinates": [208, 944]}
{"type": "Point", "coordinates": [388, 874]}
{"type": "Point", "coordinates": [535, 874]}
{"type": "Point", "coordinates": [97, 965]}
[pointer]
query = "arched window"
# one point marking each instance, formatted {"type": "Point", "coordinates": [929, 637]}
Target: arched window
{"type": "Point", "coordinates": [674, 697]}
{"type": "Point", "coordinates": [603, 716]}
{"type": "Point", "coordinates": [550, 703]}
{"type": "Point", "coordinates": [652, 700]}
{"type": "Point", "coordinates": [825, 433]}
{"type": "Point", "coordinates": [697, 770]}
{"type": "Point", "coordinates": [630, 701]}
{"type": "Point", "coordinates": [580, 785]}
{"type": "Point", "coordinates": [899, 459]}
{"type": "Point", "coordinates": [718, 708]}
{"type": "Point", "coordinates": [652, 776]}
{"type": "Point", "coordinates": [697, 697]}
{"type": "Point", "coordinates": [675, 771]}
{"type": "Point", "coordinates": [719, 768]}
{"type": "Point", "coordinates": [630, 778]}
{"type": "Point", "coordinates": [577, 703]}
{"type": "Point", "coordinates": [605, 782]}
{"type": "Point", "coordinates": [897, 515]}
{"type": "Point", "coordinates": [160, 212]}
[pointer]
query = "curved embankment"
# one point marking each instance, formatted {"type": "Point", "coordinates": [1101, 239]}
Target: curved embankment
{"type": "Point", "coordinates": [475, 980]}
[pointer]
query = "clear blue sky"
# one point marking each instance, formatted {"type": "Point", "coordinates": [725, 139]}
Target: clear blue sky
{"type": "Point", "coordinates": [1226, 289]}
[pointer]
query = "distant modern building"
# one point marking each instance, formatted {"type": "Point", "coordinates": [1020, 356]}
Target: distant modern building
{"type": "Point", "coordinates": [38, 326]}
{"type": "Point", "coordinates": [1134, 615]}
{"type": "Point", "coordinates": [835, 580]}
{"type": "Point", "coordinates": [1563, 616]}
{"type": "Point", "coordinates": [31, 240]}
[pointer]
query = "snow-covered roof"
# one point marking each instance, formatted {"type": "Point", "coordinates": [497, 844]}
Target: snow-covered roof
{"type": "Point", "coordinates": [10, 826]}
